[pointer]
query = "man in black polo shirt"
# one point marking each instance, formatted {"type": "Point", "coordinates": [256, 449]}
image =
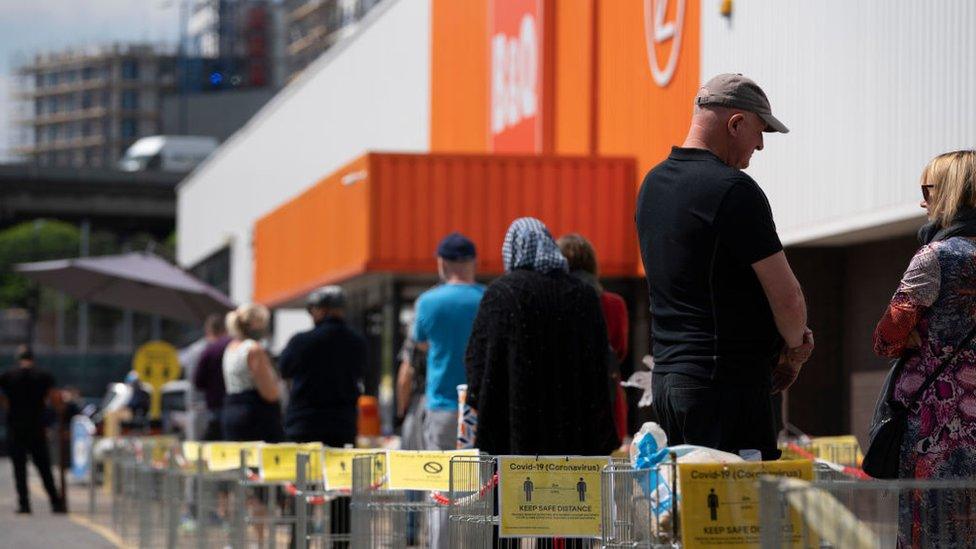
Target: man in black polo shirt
{"type": "Point", "coordinates": [27, 390]}
{"type": "Point", "coordinates": [728, 315]}
{"type": "Point", "coordinates": [325, 366]}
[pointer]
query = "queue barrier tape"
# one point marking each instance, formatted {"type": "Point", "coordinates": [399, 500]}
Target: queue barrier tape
{"type": "Point", "coordinates": [846, 469]}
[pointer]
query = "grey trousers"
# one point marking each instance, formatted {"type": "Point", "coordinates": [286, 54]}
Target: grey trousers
{"type": "Point", "coordinates": [440, 430]}
{"type": "Point", "coordinates": [440, 433]}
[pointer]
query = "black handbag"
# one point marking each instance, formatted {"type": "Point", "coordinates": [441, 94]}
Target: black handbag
{"type": "Point", "coordinates": [890, 419]}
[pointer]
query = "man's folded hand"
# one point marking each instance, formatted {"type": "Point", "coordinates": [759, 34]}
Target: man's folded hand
{"type": "Point", "coordinates": [801, 353]}
{"type": "Point", "coordinates": [784, 374]}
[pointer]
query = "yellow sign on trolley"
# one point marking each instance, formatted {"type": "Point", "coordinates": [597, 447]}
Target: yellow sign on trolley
{"type": "Point", "coordinates": [719, 503]}
{"type": "Point", "coordinates": [338, 467]}
{"type": "Point", "coordinates": [278, 461]}
{"type": "Point", "coordinates": [843, 450]}
{"type": "Point", "coordinates": [191, 450]}
{"type": "Point", "coordinates": [159, 446]}
{"type": "Point", "coordinates": [423, 470]}
{"type": "Point", "coordinates": [224, 456]}
{"type": "Point", "coordinates": [156, 363]}
{"type": "Point", "coordinates": [550, 496]}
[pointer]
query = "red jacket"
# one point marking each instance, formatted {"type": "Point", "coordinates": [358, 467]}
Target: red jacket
{"type": "Point", "coordinates": [618, 328]}
{"type": "Point", "coordinates": [618, 324]}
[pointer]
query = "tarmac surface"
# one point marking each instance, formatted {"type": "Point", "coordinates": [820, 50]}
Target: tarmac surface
{"type": "Point", "coordinates": [42, 529]}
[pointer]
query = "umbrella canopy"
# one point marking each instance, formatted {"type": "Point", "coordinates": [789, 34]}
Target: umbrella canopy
{"type": "Point", "coordinates": [139, 281]}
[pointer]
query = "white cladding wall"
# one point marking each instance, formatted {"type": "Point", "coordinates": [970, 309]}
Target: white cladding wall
{"type": "Point", "coordinates": [370, 93]}
{"type": "Point", "coordinates": [871, 90]}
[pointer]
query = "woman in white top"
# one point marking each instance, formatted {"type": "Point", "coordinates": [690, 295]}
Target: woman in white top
{"type": "Point", "coordinates": [251, 407]}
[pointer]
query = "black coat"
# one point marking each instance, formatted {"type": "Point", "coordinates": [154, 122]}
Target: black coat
{"type": "Point", "coordinates": [326, 366]}
{"type": "Point", "coordinates": [537, 369]}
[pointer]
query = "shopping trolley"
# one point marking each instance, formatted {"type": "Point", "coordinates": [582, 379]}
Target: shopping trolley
{"type": "Point", "coordinates": [640, 506]}
{"type": "Point", "coordinates": [473, 509]}
{"type": "Point", "coordinates": [869, 514]}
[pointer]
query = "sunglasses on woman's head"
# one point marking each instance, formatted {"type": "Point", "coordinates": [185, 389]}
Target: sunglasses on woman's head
{"type": "Point", "coordinates": [926, 191]}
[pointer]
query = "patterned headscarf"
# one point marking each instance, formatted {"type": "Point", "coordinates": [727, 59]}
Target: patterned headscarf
{"type": "Point", "coordinates": [528, 245]}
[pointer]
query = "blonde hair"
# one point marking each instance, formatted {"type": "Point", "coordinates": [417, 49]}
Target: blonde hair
{"type": "Point", "coordinates": [953, 179]}
{"type": "Point", "coordinates": [249, 321]}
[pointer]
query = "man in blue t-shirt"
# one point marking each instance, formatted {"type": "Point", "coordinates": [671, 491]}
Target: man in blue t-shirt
{"type": "Point", "coordinates": [444, 316]}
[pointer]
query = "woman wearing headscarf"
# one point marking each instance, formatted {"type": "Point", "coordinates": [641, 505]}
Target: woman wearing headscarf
{"type": "Point", "coordinates": [930, 324]}
{"type": "Point", "coordinates": [536, 359]}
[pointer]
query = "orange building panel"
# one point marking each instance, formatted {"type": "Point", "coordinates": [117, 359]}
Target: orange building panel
{"type": "Point", "coordinates": [387, 212]}
{"type": "Point", "coordinates": [620, 76]}
{"type": "Point", "coordinates": [638, 113]}
{"type": "Point", "coordinates": [460, 76]}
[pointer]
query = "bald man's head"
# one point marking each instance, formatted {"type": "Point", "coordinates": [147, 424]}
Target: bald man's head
{"type": "Point", "coordinates": [732, 134]}
{"type": "Point", "coordinates": [731, 114]}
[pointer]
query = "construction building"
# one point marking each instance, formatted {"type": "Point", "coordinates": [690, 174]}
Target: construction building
{"type": "Point", "coordinates": [314, 26]}
{"type": "Point", "coordinates": [84, 107]}
{"type": "Point", "coordinates": [237, 43]}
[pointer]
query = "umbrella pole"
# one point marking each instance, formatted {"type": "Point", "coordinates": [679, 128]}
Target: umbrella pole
{"type": "Point", "coordinates": [33, 304]}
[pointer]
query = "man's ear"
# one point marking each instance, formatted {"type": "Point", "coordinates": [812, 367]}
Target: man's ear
{"type": "Point", "coordinates": [735, 122]}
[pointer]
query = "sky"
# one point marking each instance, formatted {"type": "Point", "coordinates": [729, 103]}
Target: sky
{"type": "Point", "coordinates": [31, 26]}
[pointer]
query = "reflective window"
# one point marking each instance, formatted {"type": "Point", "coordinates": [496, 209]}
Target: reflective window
{"type": "Point", "coordinates": [130, 69]}
{"type": "Point", "coordinates": [128, 127]}
{"type": "Point", "coordinates": [130, 99]}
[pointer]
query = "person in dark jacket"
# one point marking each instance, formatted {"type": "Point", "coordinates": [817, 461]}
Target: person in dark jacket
{"type": "Point", "coordinates": [536, 361]}
{"type": "Point", "coordinates": [208, 377]}
{"type": "Point", "coordinates": [581, 256]}
{"type": "Point", "coordinates": [325, 366]}
{"type": "Point", "coordinates": [26, 390]}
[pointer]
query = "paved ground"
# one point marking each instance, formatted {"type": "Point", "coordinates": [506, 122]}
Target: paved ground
{"type": "Point", "coordinates": [42, 530]}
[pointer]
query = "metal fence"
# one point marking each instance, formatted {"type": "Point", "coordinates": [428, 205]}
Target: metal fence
{"type": "Point", "coordinates": [162, 497]}
{"type": "Point", "coordinates": [639, 506]}
{"type": "Point", "coordinates": [147, 496]}
{"type": "Point", "coordinates": [328, 520]}
{"type": "Point", "coordinates": [473, 510]}
{"type": "Point", "coordinates": [177, 502]}
{"type": "Point", "coordinates": [473, 507]}
{"type": "Point", "coordinates": [392, 518]}
{"type": "Point", "coordinates": [869, 514]}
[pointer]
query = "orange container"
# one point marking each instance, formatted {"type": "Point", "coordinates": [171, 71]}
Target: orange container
{"type": "Point", "coordinates": [387, 212]}
{"type": "Point", "coordinates": [368, 421]}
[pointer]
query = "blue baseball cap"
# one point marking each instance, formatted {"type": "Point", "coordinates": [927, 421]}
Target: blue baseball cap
{"type": "Point", "coordinates": [456, 247]}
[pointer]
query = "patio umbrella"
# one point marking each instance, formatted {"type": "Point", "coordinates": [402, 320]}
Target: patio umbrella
{"type": "Point", "coordinates": [139, 281]}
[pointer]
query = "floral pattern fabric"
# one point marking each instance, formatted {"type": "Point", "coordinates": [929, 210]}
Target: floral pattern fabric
{"type": "Point", "coordinates": [932, 311]}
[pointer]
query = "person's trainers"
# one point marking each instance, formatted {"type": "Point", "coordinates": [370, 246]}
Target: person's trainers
{"type": "Point", "coordinates": [59, 508]}
{"type": "Point", "coordinates": [23, 511]}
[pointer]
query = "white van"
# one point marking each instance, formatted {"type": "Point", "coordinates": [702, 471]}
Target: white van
{"type": "Point", "coordinates": [167, 153]}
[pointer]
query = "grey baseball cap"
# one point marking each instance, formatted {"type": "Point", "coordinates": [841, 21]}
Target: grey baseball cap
{"type": "Point", "coordinates": [738, 92]}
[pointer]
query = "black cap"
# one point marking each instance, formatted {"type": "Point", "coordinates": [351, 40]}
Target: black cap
{"type": "Point", "coordinates": [456, 247]}
{"type": "Point", "coordinates": [328, 297]}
